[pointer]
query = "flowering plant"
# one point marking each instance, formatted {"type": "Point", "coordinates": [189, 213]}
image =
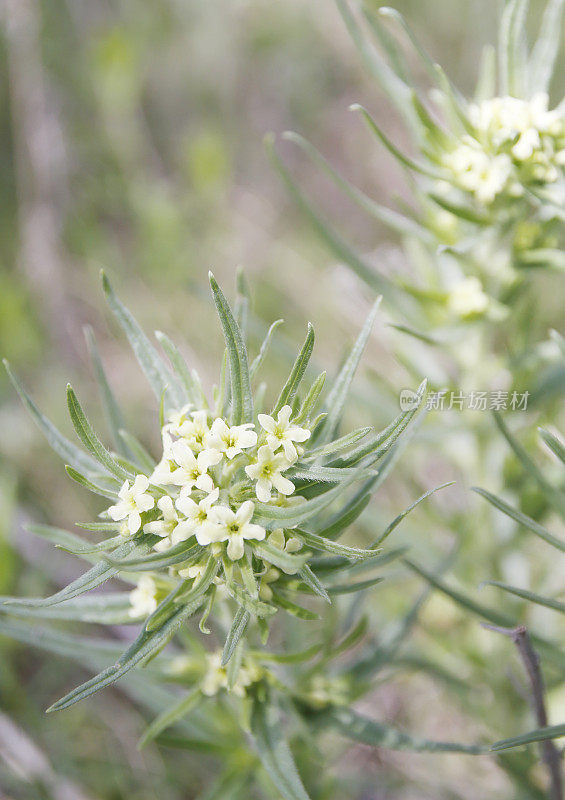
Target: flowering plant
{"type": "Point", "coordinates": [226, 523]}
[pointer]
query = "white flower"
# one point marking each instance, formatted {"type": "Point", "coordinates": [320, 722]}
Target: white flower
{"type": "Point", "coordinates": [477, 172]}
{"type": "Point", "coordinates": [467, 298]}
{"type": "Point", "coordinates": [281, 432]}
{"type": "Point", "coordinates": [143, 598]}
{"type": "Point", "coordinates": [267, 472]}
{"type": "Point", "coordinates": [195, 430]}
{"type": "Point", "coordinates": [216, 677]}
{"type": "Point", "coordinates": [197, 514]}
{"type": "Point", "coordinates": [133, 502]}
{"type": "Point", "coordinates": [193, 470]}
{"type": "Point", "coordinates": [231, 441]}
{"type": "Point", "coordinates": [170, 528]}
{"type": "Point", "coordinates": [176, 418]}
{"type": "Point", "coordinates": [161, 475]}
{"type": "Point", "coordinates": [234, 527]}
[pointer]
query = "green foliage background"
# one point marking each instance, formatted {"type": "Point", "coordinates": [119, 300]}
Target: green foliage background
{"type": "Point", "coordinates": [131, 139]}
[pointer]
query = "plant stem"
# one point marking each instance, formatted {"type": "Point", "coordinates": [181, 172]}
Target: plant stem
{"type": "Point", "coordinates": [530, 659]}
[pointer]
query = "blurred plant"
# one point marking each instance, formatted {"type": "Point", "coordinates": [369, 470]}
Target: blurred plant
{"type": "Point", "coordinates": [224, 524]}
{"type": "Point", "coordinates": [487, 183]}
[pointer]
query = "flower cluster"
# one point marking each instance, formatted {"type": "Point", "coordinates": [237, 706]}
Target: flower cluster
{"type": "Point", "coordinates": [207, 469]}
{"type": "Point", "coordinates": [517, 144]}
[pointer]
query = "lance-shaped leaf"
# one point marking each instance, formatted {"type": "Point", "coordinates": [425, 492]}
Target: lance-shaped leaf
{"type": "Point", "coordinates": [169, 717]}
{"type": "Point", "coordinates": [260, 357]}
{"type": "Point", "coordinates": [310, 401]}
{"type": "Point", "coordinates": [522, 519]}
{"type": "Point", "coordinates": [274, 752]}
{"type": "Point", "coordinates": [310, 579]}
{"type": "Point", "coordinates": [539, 599]}
{"type": "Point", "coordinates": [143, 459]}
{"type": "Point", "coordinates": [90, 440]}
{"type": "Point", "coordinates": [183, 551]}
{"type": "Point", "coordinates": [288, 392]}
{"type": "Point", "coordinates": [329, 546]}
{"type": "Point", "coordinates": [94, 577]}
{"type": "Point", "coordinates": [539, 735]}
{"type": "Point", "coordinates": [159, 377]}
{"type": "Point", "coordinates": [236, 631]}
{"type": "Point", "coordinates": [346, 516]}
{"type": "Point", "coordinates": [95, 487]}
{"type": "Point", "coordinates": [397, 520]}
{"type": "Point", "coordinates": [290, 607]}
{"type": "Point", "coordinates": [288, 562]}
{"type": "Point", "coordinates": [66, 450]}
{"type": "Point", "coordinates": [335, 243]}
{"type": "Point", "coordinates": [146, 644]}
{"type": "Point", "coordinates": [179, 365]}
{"type": "Point", "coordinates": [293, 515]}
{"type": "Point", "coordinates": [242, 399]}
{"type": "Point", "coordinates": [352, 725]}
{"type": "Point", "coordinates": [114, 416]}
{"type": "Point", "coordinates": [106, 609]}
{"type": "Point", "coordinates": [335, 402]}
{"type": "Point", "coordinates": [512, 47]}
{"type": "Point", "coordinates": [546, 48]}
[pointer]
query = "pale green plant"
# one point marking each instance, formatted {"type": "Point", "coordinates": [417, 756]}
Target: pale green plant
{"type": "Point", "coordinates": [202, 531]}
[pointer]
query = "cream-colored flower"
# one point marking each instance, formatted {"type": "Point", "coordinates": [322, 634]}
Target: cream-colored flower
{"type": "Point", "coordinates": [231, 441]}
{"type": "Point", "coordinates": [197, 513]}
{"type": "Point", "coordinates": [467, 298]}
{"type": "Point", "coordinates": [267, 472]}
{"type": "Point", "coordinates": [477, 172]}
{"type": "Point", "coordinates": [281, 432]}
{"type": "Point", "coordinates": [143, 598]}
{"type": "Point", "coordinates": [216, 677]}
{"type": "Point", "coordinates": [171, 529]}
{"type": "Point", "coordinates": [177, 418]}
{"type": "Point", "coordinates": [193, 470]}
{"type": "Point", "coordinates": [234, 527]}
{"type": "Point", "coordinates": [195, 430]}
{"type": "Point", "coordinates": [133, 502]}
{"type": "Point", "coordinates": [161, 475]}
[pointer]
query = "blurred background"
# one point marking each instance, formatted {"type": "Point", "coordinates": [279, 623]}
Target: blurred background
{"type": "Point", "coordinates": [131, 139]}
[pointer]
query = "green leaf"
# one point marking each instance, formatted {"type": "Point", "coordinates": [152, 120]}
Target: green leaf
{"type": "Point", "coordinates": [398, 155]}
{"type": "Point", "coordinates": [336, 244]}
{"type": "Point", "coordinates": [179, 710]}
{"type": "Point", "coordinates": [511, 47]}
{"type": "Point", "coordinates": [392, 219]}
{"type": "Point", "coordinates": [290, 563]}
{"type": "Point", "coordinates": [311, 399]}
{"type": "Point", "coordinates": [258, 360]}
{"type": "Point", "coordinates": [146, 644]}
{"type": "Point", "coordinates": [179, 365]}
{"type": "Point", "coordinates": [183, 551]}
{"type": "Point", "coordinates": [94, 577]}
{"type": "Point", "coordinates": [527, 595]}
{"type": "Point", "coordinates": [142, 457]}
{"type": "Point", "coordinates": [319, 474]}
{"type": "Point", "coordinates": [159, 377]}
{"type": "Point", "coordinates": [250, 604]}
{"type": "Point", "coordinates": [521, 519]}
{"type": "Point", "coordinates": [546, 48]}
{"type": "Point", "coordinates": [114, 416]}
{"type": "Point", "coordinates": [293, 515]}
{"type": "Point", "coordinates": [90, 440]}
{"type": "Point", "coordinates": [293, 608]}
{"type": "Point", "coordinates": [311, 580]}
{"type": "Point", "coordinates": [66, 450]}
{"type": "Point", "coordinates": [57, 536]}
{"type": "Point", "coordinates": [236, 631]}
{"type": "Point", "coordinates": [345, 516]}
{"type": "Point", "coordinates": [329, 546]}
{"type": "Point", "coordinates": [242, 410]}
{"type": "Point", "coordinates": [107, 609]}
{"type": "Point", "coordinates": [361, 729]}
{"type": "Point", "coordinates": [556, 446]}
{"type": "Point", "coordinates": [290, 388]}
{"type": "Point", "coordinates": [335, 402]}
{"type": "Point", "coordinates": [350, 588]}
{"type": "Point", "coordinates": [274, 752]}
{"type": "Point", "coordinates": [92, 486]}
{"type": "Point", "coordinates": [539, 735]}
{"type": "Point", "coordinates": [343, 443]}
{"type": "Point", "coordinates": [397, 520]}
